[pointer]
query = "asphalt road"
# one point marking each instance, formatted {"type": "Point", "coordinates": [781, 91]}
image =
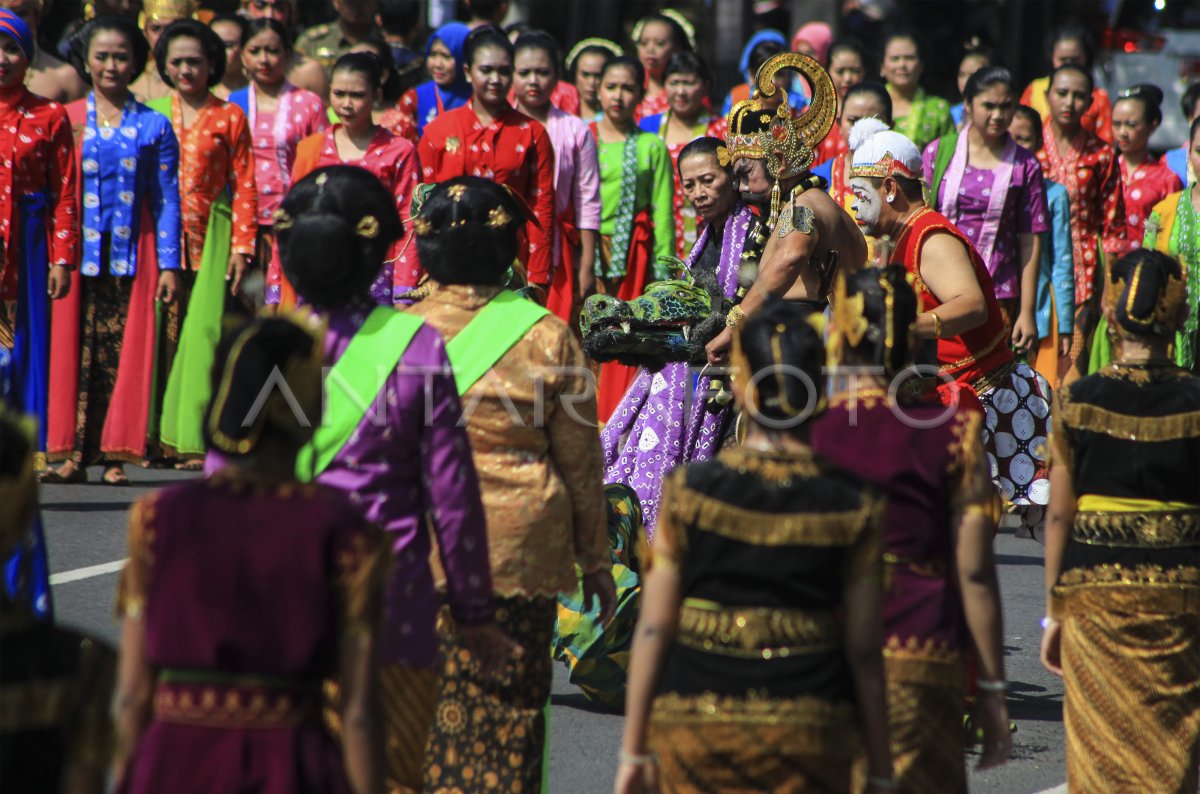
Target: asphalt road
{"type": "Point", "coordinates": [85, 527]}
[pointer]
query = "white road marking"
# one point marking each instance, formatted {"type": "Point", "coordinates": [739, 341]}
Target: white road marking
{"type": "Point", "coordinates": [67, 577]}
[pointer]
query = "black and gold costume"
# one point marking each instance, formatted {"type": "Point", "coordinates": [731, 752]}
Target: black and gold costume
{"type": "Point", "coordinates": [1128, 595]}
{"type": "Point", "coordinates": [755, 692]}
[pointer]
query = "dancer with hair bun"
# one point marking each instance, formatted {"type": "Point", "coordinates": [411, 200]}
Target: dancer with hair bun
{"type": "Point", "coordinates": [941, 598]}
{"type": "Point", "coordinates": [244, 592]}
{"type": "Point", "coordinates": [1123, 547]}
{"type": "Point", "coordinates": [531, 421]}
{"type": "Point", "coordinates": [756, 661]}
{"type": "Point", "coordinates": [396, 448]}
{"type": "Point", "coordinates": [355, 84]}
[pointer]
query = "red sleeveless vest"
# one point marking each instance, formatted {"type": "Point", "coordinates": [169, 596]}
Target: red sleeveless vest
{"type": "Point", "coordinates": [975, 354]}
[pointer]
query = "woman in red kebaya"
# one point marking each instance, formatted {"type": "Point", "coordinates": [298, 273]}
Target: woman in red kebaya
{"type": "Point", "coordinates": [39, 227]}
{"type": "Point", "coordinates": [488, 138]}
{"type": "Point", "coordinates": [1146, 179]}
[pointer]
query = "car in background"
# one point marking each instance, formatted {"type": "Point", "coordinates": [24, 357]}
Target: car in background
{"type": "Point", "coordinates": [1152, 41]}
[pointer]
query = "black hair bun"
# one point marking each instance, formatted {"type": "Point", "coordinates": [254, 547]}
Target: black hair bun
{"type": "Point", "coordinates": [334, 231]}
{"type": "Point", "coordinates": [467, 232]}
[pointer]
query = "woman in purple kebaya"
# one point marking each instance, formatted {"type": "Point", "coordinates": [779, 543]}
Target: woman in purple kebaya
{"type": "Point", "coordinates": [390, 438]}
{"type": "Point", "coordinates": [663, 419]}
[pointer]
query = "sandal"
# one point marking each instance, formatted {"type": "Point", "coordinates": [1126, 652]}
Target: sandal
{"type": "Point", "coordinates": [190, 465]}
{"type": "Point", "coordinates": [55, 476]}
{"type": "Point", "coordinates": [115, 475]}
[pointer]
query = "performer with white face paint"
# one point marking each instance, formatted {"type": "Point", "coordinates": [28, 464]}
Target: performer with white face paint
{"type": "Point", "coordinates": [805, 234]}
{"type": "Point", "coordinates": [959, 311]}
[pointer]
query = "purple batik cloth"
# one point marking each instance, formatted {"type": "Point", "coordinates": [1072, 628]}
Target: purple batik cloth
{"type": "Point", "coordinates": [1024, 212]}
{"type": "Point", "coordinates": [412, 466]}
{"type": "Point", "coordinates": [662, 420]}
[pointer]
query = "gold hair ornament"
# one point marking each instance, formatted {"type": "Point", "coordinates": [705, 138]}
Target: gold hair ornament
{"type": "Point", "coordinates": [422, 227]}
{"type": "Point", "coordinates": [282, 220]}
{"type": "Point", "coordinates": [723, 156]}
{"type": "Point", "coordinates": [850, 324]}
{"type": "Point", "coordinates": [498, 218]}
{"type": "Point", "coordinates": [594, 41]}
{"type": "Point", "coordinates": [689, 30]}
{"type": "Point", "coordinates": [1167, 313]}
{"type": "Point", "coordinates": [456, 192]}
{"type": "Point", "coordinates": [368, 227]}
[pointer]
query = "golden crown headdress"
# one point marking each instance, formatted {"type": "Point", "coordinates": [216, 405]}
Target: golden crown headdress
{"type": "Point", "coordinates": [169, 9]}
{"type": "Point", "coordinates": [757, 132]}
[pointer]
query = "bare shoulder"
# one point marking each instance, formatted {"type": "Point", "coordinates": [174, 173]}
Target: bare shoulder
{"type": "Point", "coordinates": [943, 244]}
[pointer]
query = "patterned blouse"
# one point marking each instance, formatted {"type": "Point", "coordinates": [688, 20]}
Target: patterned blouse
{"type": "Point", "coordinates": [1092, 177]}
{"type": "Point", "coordinates": [298, 114]}
{"type": "Point", "coordinates": [215, 156]}
{"type": "Point", "coordinates": [38, 156]}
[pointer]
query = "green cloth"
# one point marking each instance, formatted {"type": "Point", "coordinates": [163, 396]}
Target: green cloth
{"type": "Point", "coordinates": [490, 334]}
{"type": "Point", "coordinates": [655, 192]}
{"type": "Point", "coordinates": [189, 386]}
{"type": "Point", "coordinates": [597, 657]}
{"type": "Point", "coordinates": [354, 383]}
{"type": "Point", "coordinates": [928, 119]}
{"type": "Point", "coordinates": [1183, 244]}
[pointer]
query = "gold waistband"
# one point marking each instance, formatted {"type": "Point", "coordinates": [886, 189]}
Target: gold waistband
{"type": "Point", "coordinates": [1145, 589]}
{"type": "Point", "coordinates": [1158, 529]}
{"type": "Point", "coordinates": [756, 632]}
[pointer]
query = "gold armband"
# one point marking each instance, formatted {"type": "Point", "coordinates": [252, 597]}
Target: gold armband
{"type": "Point", "coordinates": [736, 318]}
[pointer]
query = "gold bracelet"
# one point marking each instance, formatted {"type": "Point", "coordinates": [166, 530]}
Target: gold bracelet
{"type": "Point", "coordinates": [736, 318]}
{"type": "Point", "coordinates": [937, 325]}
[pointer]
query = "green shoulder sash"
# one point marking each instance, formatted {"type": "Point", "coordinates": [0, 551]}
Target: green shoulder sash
{"type": "Point", "coordinates": [941, 161]}
{"type": "Point", "coordinates": [491, 334]}
{"type": "Point", "coordinates": [354, 383]}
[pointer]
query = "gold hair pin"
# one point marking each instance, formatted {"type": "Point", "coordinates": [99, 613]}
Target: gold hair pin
{"type": "Point", "coordinates": [723, 156]}
{"type": "Point", "coordinates": [423, 227]}
{"type": "Point", "coordinates": [498, 218]}
{"type": "Point", "coordinates": [457, 192]}
{"type": "Point", "coordinates": [282, 219]}
{"type": "Point", "coordinates": [321, 180]}
{"type": "Point", "coordinates": [368, 227]}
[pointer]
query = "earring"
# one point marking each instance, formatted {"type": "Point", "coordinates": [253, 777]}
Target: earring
{"type": "Point", "coordinates": [776, 201]}
{"type": "Point", "coordinates": [890, 199]}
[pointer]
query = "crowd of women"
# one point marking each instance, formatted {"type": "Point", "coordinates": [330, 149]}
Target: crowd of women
{"type": "Point", "coordinates": [805, 545]}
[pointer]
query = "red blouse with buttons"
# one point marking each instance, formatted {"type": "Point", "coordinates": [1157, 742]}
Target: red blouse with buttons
{"type": "Point", "coordinates": [1145, 186]}
{"type": "Point", "coordinates": [515, 151]}
{"type": "Point", "coordinates": [37, 152]}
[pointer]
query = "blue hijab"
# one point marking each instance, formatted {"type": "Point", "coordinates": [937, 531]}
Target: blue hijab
{"type": "Point", "coordinates": [454, 36]}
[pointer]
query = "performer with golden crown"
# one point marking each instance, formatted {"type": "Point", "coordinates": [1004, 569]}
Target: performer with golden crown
{"type": "Point", "coordinates": [805, 234]}
{"type": "Point", "coordinates": [157, 15]}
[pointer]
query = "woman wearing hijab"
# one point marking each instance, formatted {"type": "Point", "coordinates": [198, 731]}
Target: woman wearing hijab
{"type": "Point", "coordinates": [447, 87]}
